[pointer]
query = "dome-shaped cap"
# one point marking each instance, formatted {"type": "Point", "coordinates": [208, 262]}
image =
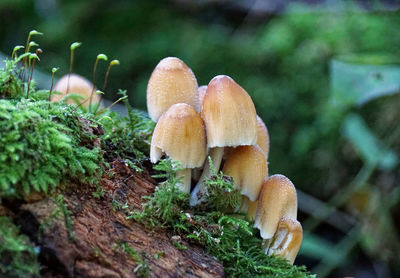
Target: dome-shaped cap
{"type": "Point", "coordinates": [277, 199]}
{"type": "Point", "coordinates": [248, 168]}
{"type": "Point", "coordinates": [181, 135]}
{"type": "Point", "coordinates": [77, 85]}
{"type": "Point", "coordinates": [229, 114]}
{"type": "Point", "coordinates": [171, 82]}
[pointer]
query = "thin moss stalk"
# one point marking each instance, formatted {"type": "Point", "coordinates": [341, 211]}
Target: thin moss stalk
{"type": "Point", "coordinates": [72, 48]}
{"type": "Point", "coordinates": [98, 58]}
{"type": "Point", "coordinates": [28, 45]}
{"type": "Point", "coordinates": [35, 57]}
{"type": "Point", "coordinates": [53, 71]}
{"type": "Point", "coordinates": [112, 63]}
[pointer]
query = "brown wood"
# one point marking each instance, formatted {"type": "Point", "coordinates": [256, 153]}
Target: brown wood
{"type": "Point", "coordinates": [98, 231]}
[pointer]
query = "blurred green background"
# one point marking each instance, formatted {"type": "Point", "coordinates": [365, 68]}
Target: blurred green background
{"type": "Point", "coordinates": [324, 76]}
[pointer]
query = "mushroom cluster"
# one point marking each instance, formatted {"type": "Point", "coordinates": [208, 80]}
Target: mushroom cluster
{"type": "Point", "coordinates": [220, 121]}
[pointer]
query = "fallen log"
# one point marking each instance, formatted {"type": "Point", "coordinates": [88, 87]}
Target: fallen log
{"type": "Point", "coordinates": [99, 241]}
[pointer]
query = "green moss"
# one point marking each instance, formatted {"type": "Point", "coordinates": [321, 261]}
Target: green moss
{"type": "Point", "coordinates": [41, 145]}
{"type": "Point", "coordinates": [229, 237]}
{"type": "Point", "coordinates": [128, 137]}
{"type": "Point", "coordinates": [142, 269]}
{"type": "Point", "coordinates": [12, 87]}
{"type": "Point", "coordinates": [18, 257]}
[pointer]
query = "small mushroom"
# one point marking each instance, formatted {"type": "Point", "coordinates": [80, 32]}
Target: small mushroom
{"type": "Point", "coordinates": [171, 82]}
{"type": "Point", "coordinates": [231, 120]}
{"type": "Point", "coordinates": [277, 199]}
{"type": "Point", "coordinates": [180, 134]}
{"type": "Point", "coordinates": [248, 168]}
{"type": "Point", "coordinates": [77, 85]}
{"type": "Point", "coordinates": [263, 136]}
{"type": "Point", "coordinates": [287, 240]}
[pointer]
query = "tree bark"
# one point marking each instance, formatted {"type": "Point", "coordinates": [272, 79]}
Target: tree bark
{"type": "Point", "coordinates": [92, 244]}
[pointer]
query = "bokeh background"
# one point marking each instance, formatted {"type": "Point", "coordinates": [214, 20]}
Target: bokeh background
{"type": "Point", "coordinates": [324, 76]}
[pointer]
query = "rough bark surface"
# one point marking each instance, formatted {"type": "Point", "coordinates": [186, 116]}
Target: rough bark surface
{"type": "Point", "coordinates": [91, 246]}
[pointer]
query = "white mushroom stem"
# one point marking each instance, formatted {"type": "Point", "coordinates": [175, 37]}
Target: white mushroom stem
{"type": "Point", "coordinates": [216, 155]}
{"type": "Point", "coordinates": [185, 183]}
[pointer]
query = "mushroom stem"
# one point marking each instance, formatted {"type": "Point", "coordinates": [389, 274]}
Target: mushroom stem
{"type": "Point", "coordinates": [200, 189]}
{"type": "Point", "coordinates": [244, 205]}
{"type": "Point", "coordinates": [184, 184]}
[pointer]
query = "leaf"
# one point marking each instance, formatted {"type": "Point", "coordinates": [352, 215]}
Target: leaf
{"type": "Point", "coordinates": [356, 80]}
{"type": "Point", "coordinates": [370, 149]}
{"type": "Point", "coordinates": [317, 248]}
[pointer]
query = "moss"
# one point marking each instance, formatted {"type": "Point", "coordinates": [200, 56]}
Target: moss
{"type": "Point", "coordinates": [41, 146]}
{"type": "Point", "coordinates": [18, 256]}
{"type": "Point", "coordinates": [228, 236]}
{"type": "Point", "coordinates": [12, 86]}
{"type": "Point", "coordinates": [142, 269]}
{"type": "Point", "coordinates": [127, 137]}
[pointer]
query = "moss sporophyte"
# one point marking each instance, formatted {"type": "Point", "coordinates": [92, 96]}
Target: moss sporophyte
{"type": "Point", "coordinates": [44, 143]}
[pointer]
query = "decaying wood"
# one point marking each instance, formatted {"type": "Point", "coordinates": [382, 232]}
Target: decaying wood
{"type": "Point", "coordinates": [92, 246]}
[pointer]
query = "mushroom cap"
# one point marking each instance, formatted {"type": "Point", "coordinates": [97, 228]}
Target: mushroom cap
{"type": "Point", "coordinates": [248, 168]}
{"type": "Point", "coordinates": [202, 92]}
{"type": "Point", "coordinates": [263, 136]}
{"type": "Point", "coordinates": [277, 199]}
{"type": "Point", "coordinates": [287, 239]}
{"type": "Point", "coordinates": [181, 135]}
{"type": "Point", "coordinates": [172, 81]}
{"type": "Point", "coordinates": [77, 85]}
{"type": "Point", "coordinates": [229, 114]}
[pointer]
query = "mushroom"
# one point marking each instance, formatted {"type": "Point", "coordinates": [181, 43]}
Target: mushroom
{"type": "Point", "coordinates": [277, 200]}
{"type": "Point", "coordinates": [172, 81]}
{"type": "Point", "coordinates": [231, 120]}
{"type": "Point", "coordinates": [287, 240]}
{"type": "Point", "coordinates": [180, 134]}
{"type": "Point", "coordinates": [263, 136]}
{"type": "Point", "coordinates": [77, 85]}
{"type": "Point", "coordinates": [248, 168]}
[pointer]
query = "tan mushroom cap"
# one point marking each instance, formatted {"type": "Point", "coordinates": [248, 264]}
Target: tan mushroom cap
{"type": "Point", "coordinates": [77, 85]}
{"type": "Point", "coordinates": [202, 92]}
{"type": "Point", "coordinates": [181, 135]}
{"type": "Point", "coordinates": [229, 114]}
{"type": "Point", "coordinates": [263, 136]}
{"type": "Point", "coordinates": [171, 82]}
{"type": "Point", "coordinates": [287, 239]}
{"type": "Point", "coordinates": [248, 168]}
{"type": "Point", "coordinates": [277, 200]}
